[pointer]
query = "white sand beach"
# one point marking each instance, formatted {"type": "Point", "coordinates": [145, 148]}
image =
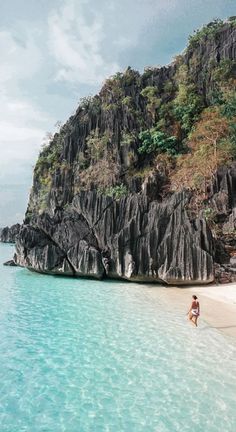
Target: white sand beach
{"type": "Point", "coordinates": [218, 304]}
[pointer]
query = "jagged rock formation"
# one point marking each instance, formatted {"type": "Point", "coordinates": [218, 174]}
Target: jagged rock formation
{"type": "Point", "coordinates": [223, 202]}
{"type": "Point", "coordinates": [101, 208]}
{"type": "Point", "coordinates": [133, 238]}
{"type": "Point", "coordinates": [9, 234]}
{"type": "Point", "coordinates": [10, 263]}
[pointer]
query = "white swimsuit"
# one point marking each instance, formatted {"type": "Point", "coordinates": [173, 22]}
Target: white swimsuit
{"type": "Point", "coordinates": [195, 312]}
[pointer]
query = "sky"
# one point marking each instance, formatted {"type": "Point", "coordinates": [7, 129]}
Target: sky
{"type": "Point", "coordinates": [53, 52]}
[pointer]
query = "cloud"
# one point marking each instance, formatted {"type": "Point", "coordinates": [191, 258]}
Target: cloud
{"type": "Point", "coordinates": [22, 123]}
{"type": "Point", "coordinates": [13, 202]}
{"type": "Point", "coordinates": [76, 44]}
{"type": "Point", "coordinates": [22, 128]}
{"type": "Point", "coordinates": [19, 60]}
{"type": "Point", "coordinates": [87, 38]}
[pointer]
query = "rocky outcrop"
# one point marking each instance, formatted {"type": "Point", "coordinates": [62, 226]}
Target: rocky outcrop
{"type": "Point", "coordinates": [133, 238]}
{"type": "Point", "coordinates": [10, 263]}
{"type": "Point", "coordinates": [101, 208]}
{"type": "Point", "coordinates": [9, 234]}
{"type": "Point", "coordinates": [203, 56]}
{"type": "Point", "coordinates": [223, 204]}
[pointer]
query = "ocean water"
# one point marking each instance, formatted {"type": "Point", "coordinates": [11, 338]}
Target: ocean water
{"type": "Point", "coordinates": [86, 356]}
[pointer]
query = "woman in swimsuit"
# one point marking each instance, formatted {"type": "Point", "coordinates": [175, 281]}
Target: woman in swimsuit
{"type": "Point", "coordinates": [194, 310]}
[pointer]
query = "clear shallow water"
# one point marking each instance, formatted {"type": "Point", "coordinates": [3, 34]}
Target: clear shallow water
{"type": "Point", "coordinates": [79, 355]}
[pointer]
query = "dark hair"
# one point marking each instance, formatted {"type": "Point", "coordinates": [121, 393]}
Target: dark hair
{"type": "Point", "coordinates": [195, 297]}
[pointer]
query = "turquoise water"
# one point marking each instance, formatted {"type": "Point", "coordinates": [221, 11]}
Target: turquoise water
{"type": "Point", "coordinates": [79, 355]}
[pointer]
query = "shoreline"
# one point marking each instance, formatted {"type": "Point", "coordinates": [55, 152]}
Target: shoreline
{"type": "Point", "coordinates": [217, 304]}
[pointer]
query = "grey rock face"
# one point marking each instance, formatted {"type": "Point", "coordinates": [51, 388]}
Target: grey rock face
{"type": "Point", "coordinates": [10, 263]}
{"type": "Point", "coordinates": [132, 239]}
{"type": "Point", "coordinates": [9, 234]}
{"type": "Point", "coordinates": [140, 237]}
{"type": "Point", "coordinates": [221, 47]}
{"type": "Point", "coordinates": [36, 251]}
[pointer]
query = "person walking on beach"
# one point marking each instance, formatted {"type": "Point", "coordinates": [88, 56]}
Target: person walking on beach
{"type": "Point", "coordinates": [194, 310]}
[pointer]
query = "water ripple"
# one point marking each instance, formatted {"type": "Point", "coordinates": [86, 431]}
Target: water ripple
{"type": "Point", "coordinates": [83, 356]}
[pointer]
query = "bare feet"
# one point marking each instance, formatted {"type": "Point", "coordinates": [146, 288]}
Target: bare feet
{"type": "Point", "coordinates": [193, 322]}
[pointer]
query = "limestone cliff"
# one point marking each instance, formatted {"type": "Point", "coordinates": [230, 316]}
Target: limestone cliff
{"type": "Point", "coordinates": [9, 234]}
{"type": "Point", "coordinates": [102, 204]}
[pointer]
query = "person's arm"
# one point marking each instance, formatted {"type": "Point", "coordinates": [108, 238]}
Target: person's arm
{"type": "Point", "coordinates": [198, 308]}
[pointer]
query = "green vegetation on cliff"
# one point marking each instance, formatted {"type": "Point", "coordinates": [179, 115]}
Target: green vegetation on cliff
{"type": "Point", "coordinates": [177, 122]}
{"type": "Point", "coordinates": [209, 31]}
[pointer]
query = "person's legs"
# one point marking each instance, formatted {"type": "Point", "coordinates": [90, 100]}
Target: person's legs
{"type": "Point", "coordinates": [193, 318]}
{"type": "Point", "coordinates": [190, 317]}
